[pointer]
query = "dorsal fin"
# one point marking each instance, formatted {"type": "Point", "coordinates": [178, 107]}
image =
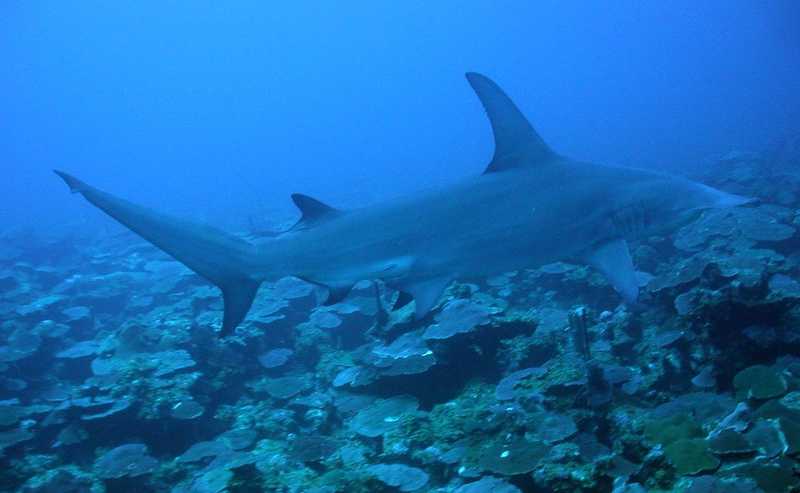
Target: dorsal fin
{"type": "Point", "coordinates": [312, 211]}
{"type": "Point", "coordinates": [516, 142]}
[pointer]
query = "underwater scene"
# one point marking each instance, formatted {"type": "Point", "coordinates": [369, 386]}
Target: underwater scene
{"type": "Point", "coordinates": [315, 297]}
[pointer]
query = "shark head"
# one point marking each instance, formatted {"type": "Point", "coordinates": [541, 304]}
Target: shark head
{"type": "Point", "coordinates": [644, 204]}
{"type": "Point", "coordinates": [663, 203]}
{"type": "Point", "coordinates": [692, 198]}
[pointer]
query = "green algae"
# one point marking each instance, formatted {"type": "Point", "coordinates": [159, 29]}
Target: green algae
{"type": "Point", "coordinates": [668, 430]}
{"type": "Point", "coordinates": [759, 382]}
{"type": "Point", "coordinates": [691, 456]}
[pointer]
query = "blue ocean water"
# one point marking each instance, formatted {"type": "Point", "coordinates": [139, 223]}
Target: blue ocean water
{"type": "Point", "coordinates": [117, 372]}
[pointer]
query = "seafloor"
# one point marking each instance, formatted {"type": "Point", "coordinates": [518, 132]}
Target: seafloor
{"type": "Point", "coordinates": [112, 378]}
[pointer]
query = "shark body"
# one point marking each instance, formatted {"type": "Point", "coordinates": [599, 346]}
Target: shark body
{"type": "Point", "coordinates": [530, 207]}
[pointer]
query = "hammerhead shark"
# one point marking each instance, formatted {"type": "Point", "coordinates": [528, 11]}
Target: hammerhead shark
{"type": "Point", "coordinates": [530, 207]}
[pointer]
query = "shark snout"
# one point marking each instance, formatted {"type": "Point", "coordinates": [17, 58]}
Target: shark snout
{"type": "Point", "coordinates": [720, 199]}
{"type": "Point", "coordinates": [733, 200]}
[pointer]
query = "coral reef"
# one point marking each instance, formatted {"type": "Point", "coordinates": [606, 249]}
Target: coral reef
{"type": "Point", "coordinates": [112, 376]}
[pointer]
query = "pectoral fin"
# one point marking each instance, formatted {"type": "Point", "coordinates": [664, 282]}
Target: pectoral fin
{"type": "Point", "coordinates": [426, 294]}
{"type": "Point", "coordinates": [613, 260]}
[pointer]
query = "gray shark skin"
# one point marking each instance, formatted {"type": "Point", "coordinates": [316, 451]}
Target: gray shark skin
{"type": "Point", "coordinates": [530, 207]}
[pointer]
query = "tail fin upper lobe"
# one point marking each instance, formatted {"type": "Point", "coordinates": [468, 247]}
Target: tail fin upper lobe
{"type": "Point", "coordinates": [223, 259]}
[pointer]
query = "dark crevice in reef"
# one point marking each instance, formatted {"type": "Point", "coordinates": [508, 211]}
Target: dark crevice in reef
{"type": "Point", "coordinates": [728, 331]}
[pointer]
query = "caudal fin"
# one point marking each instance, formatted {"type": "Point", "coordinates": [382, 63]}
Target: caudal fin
{"type": "Point", "coordinates": [223, 259]}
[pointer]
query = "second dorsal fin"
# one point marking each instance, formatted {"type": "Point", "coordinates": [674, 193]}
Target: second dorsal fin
{"type": "Point", "coordinates": [516, 142]}
{"type": "Point", "coordinates": [312, 211]}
